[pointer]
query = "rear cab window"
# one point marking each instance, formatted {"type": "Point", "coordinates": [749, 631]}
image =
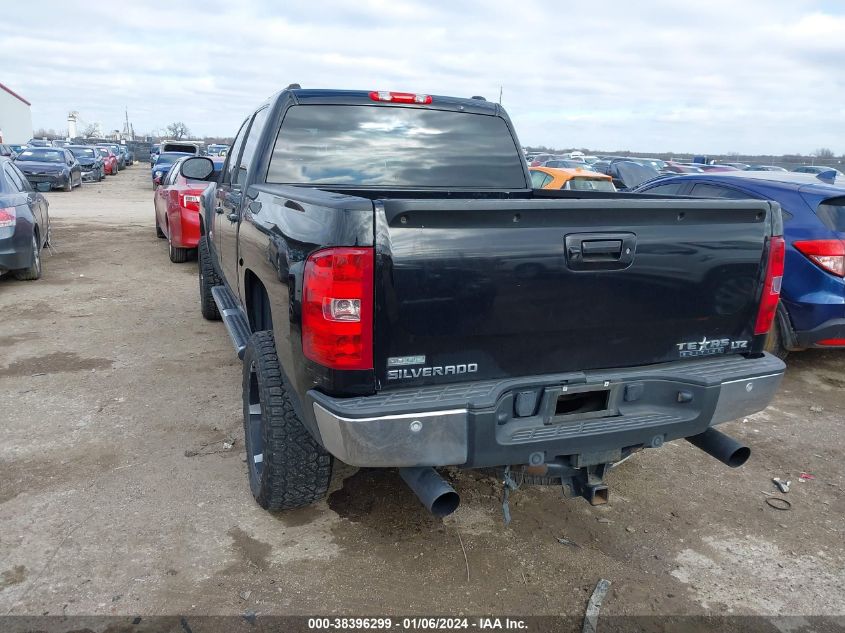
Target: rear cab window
{"type": "Point", "coordinates": [395, 147]}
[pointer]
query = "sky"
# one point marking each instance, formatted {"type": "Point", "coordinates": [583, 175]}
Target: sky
{"type": "Point", "coordinates": [709, 76]}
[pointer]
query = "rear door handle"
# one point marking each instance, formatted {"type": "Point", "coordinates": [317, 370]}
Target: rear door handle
{"type": "Point", "coordinates": [600, 251]}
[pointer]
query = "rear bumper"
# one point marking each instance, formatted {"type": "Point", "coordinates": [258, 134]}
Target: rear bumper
{"type": "Point", "coordinates": [830, 330]}
{"type": "Point", "coordinates": [15, 249]}
{"type": "Point", "coordinates": [476, 425]}
{"type": "Point", "coordinates": [187, 233]}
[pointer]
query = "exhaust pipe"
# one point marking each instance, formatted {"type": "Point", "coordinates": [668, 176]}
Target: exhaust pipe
{"type": "Point", "coordinates": [726, 449]}
{"type": "Point", "coordinates": [436, 495]}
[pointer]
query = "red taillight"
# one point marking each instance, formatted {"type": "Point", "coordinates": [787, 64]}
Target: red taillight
{"type": "Point", "coordinates": [337, 308]}
{"type": "Point", "coordinates": [399, 97]}
{"type": "Point", "coordinates": [828, 254]}
{"type": "Point", "coordinates": [190, 200]}
{"type": "Point", "coordinates": [771, 286]}
{"type": "Point", "coordinates": [7, 217]}
{"type": "Point", "coordinates": [833, 342]}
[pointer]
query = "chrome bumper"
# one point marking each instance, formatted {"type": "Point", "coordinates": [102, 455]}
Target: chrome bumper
{"type": "Point", "coordinates": [468, 431]}
{"type": "Point", "coordinates": [739, 398]}
{"type": "Point", "coordinates": [414, 439]}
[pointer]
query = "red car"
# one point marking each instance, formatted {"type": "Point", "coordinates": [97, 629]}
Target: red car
{"type": "Point", "coordinates": [177, 212]}
{"type": "Point", "coordinates": [109, 160]}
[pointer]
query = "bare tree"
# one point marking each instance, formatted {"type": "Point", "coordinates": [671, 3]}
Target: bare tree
{"type": "Point", "coordinates": [824, 152]}
{"type": "Point", "coordinates": [177, 130]}
{"type": "Point", "coordinates": [90, 130]}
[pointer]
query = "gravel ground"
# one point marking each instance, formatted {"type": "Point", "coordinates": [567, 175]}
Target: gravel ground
{"type": "Point", "coordinates": [118, 494]}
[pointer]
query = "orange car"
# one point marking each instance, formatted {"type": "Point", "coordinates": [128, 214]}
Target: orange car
{"type": "Point", "coordinates": [576, 179]}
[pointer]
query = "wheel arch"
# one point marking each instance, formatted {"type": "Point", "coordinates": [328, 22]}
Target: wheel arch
{"type": "Point", "coordinates": [257, 303]}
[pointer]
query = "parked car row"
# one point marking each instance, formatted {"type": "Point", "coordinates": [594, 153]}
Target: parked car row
{"type": "Point", "coordinates": [123, 152]}
{"type": "Point", "coordinates": [40, 166]}
{"type": "Point", "coordinates": [49, 167]}
{"type": "Point", "coordinates": [579, 159]}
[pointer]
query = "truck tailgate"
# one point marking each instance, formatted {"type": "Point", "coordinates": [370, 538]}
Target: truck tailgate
{"type": "Point", "coordinates": [476, 289]}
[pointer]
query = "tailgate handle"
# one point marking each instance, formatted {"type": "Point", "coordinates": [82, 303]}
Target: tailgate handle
{"type": "Point", "coordinates": [600, 251]}
{"type": "Point", "coordinates": [601, 248]}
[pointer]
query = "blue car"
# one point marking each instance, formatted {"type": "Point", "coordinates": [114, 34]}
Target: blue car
{"type": "Point", "coordinates": [163, 163]}
{"type": "Point", "coordinates": [812, 308]}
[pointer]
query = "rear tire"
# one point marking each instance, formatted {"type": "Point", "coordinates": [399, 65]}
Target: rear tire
{"type": "Point", "coordinates": [774, 341]}
{"type": "Point", "coordinates": [287, 467]}
{"type": "Point", "coordinates": [33, 272]}
{"type": "Point", "coordinates": [208, 279]}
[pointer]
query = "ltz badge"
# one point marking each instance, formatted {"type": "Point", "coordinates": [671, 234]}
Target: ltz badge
{"type": "Point", "coordinates": [710, 347]}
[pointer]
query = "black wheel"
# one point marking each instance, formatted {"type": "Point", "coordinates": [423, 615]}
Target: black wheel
{"type": "Point", "coordinates": [69, 184]}
{"type": "Point", "coordinates": [33, 272]}
{"type": "Point", "coordinates": [287, 467]}
{"type": "Point", "coordinates": [774, 341]}
{"type": "Point", "coordinates": [101, 175]}
{"type": "Point", "coordinates": [178, 255]}
{"type": "Point", "coordinates": [208, 279]}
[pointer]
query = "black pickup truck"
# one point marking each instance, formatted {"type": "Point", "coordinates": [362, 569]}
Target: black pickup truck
{"type": "Point", "coordinates": [401, 297]}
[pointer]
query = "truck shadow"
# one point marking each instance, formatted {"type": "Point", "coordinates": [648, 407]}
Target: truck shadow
{"type": "Point", "coordinates": [378, 500]}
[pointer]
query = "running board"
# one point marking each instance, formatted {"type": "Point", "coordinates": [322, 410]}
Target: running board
{"type": "Point", "coordinates": [233, 318]}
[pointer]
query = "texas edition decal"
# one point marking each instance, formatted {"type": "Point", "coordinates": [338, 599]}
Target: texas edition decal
{"type": "Point", "coordinates": [710, 347]}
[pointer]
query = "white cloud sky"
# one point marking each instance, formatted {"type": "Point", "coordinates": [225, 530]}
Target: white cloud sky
{"type": "Point", "coordinates": [750, 76]}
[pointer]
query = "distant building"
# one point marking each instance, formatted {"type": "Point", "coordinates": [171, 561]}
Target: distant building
{"type": "Point", "coordinates": [15, 117]}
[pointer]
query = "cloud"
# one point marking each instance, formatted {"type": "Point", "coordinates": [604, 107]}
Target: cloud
{"type": "Point", "coordinates": [758, 76]}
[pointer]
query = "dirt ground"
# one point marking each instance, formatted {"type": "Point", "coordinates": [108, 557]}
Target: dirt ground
{"type": "Point", "coordinates": [118, 494]}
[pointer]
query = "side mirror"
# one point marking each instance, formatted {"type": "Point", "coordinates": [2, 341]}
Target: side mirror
{"type": "Point", "coordinates": [199, 168]}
